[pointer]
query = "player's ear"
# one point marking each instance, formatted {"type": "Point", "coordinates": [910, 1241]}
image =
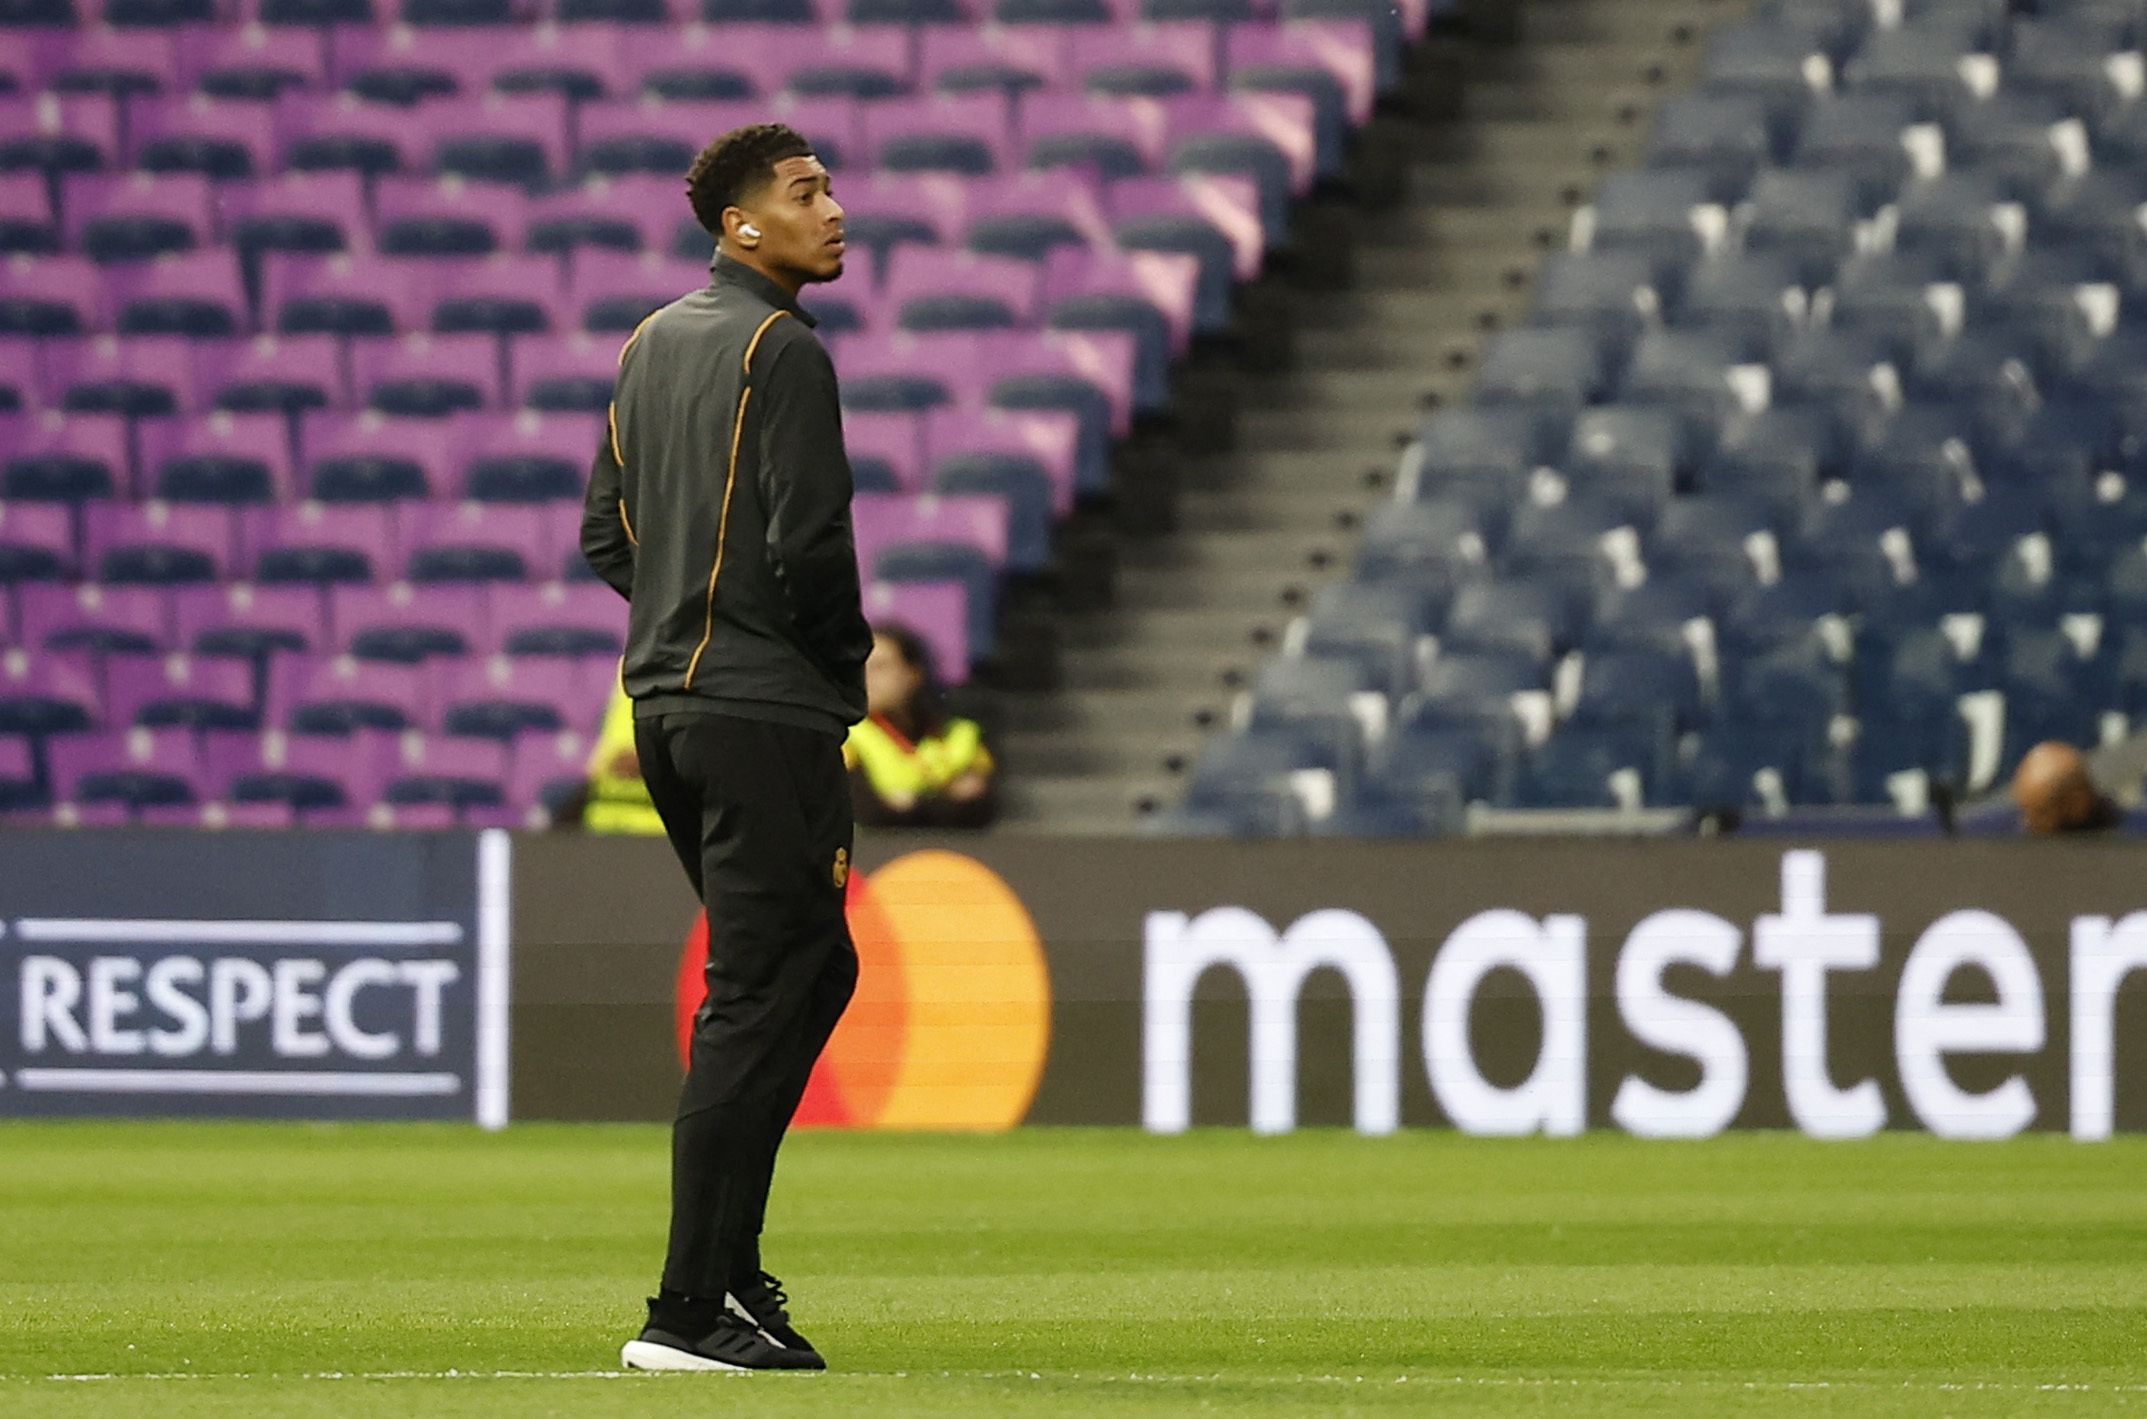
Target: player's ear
{"type": "Point", "coordinates": [739, 228]}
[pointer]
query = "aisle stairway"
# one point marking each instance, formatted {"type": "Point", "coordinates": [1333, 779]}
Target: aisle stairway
{"type": "Point", "coordinates": [1509, 114]}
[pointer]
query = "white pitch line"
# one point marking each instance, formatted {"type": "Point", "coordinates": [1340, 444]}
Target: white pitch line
{"type": "Point", "coordinates": [1445, 1381]}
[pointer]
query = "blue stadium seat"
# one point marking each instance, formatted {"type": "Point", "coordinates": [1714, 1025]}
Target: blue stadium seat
{"type": "Point", "coordinates": [1769, 61]}
{"type": "Point", "coordinates": [1780, 454]}
{"type": "Point", "coordinates": [1651, 211]}
{"type": "Point", "coordinates": [1719, 767]}
{"type": "Point", "coordinates": [1704, 538]}
{"type": "Point", "coordinates": [1552, 370]}
{"type": "Point", "coordinates": [1636, 456]}
{"type": "Point", "coordinates": [1756, 295]}
{"type": "Point", "coordinates": [1687, 370]}
{"type": "Point", "coordinates": [1919, 63]}
{"type": "Point", "coordinates": [1855, 138]}
{"type": "Point", "coordinates": [1491, 448]}
{"type": "Point", "coordinates": [1400, 536]}
{"type": "Point", "coordinates": [2008, 134]}
{"type": "Point", "coordinates": [1809, 215]}
{"type": "Point", "coordinates": [1574, 769]}
{"type": "Point", "coordinates": [1833, 370]}
{"type": "Point", "coordinates": [1611, 292]}
{"type": "Point", "coordinates": [1656, 688]}
{"type": "Point", "coordinates": [1783, 612]}
{"type": "Point", "coordinates": [1363, 633]}
{"type": "Point", "coordinates": [1888, 294]}
{"type": "Point", "coordinates": [1792, 685]}
{"type": "Point", "coordinates": [1424, 763]}
{"type": "Point", "coordinates": [1727, 136]}
{"type": "Point", "coordinates": [1953, 219]}
{"type": "Point", "coordinates": [1471, 687]}
{"type": "Point", "coordinates": [1534, 618]}
{"type": "Point", "coordinates": [1651, 616]}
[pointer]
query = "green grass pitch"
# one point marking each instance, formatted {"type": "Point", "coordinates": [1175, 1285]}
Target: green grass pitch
{"type": "Point", "coordinates": [361, 1270]}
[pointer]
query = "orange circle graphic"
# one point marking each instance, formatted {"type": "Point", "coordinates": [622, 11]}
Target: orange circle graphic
{"type": "Point", "coordinates": [951, 1022]}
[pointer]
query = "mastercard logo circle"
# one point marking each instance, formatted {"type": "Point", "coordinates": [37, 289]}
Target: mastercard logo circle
{"type": "Point", "coordinates": [952, 1017]}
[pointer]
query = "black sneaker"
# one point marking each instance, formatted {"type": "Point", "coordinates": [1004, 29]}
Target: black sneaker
{"type": "Point", "coordinates": [732, 1344]}
{"type": "Point", "coordinates": [763, 1303]}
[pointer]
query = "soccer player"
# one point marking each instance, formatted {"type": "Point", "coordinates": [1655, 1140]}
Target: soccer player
{"type": "Point", "coordinates": [719, 506]}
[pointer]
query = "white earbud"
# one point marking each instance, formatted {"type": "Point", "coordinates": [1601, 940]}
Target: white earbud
{"type": "Point", "coordinates": [748, 229]}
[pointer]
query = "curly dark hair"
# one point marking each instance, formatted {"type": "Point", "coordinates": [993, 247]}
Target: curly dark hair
{"type": "Point", "coordinates": [928, 709]}
{"type": "Point", "coordinates": [728, 170]}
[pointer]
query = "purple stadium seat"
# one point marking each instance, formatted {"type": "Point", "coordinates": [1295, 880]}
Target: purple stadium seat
{"type": "Point", "coordinates": [936, 610]}
{"type": "Point", "coordinates": [1115, 137]}
{"type": "Point", "coordinates": [466, 542]}
{"type": "Point", "coordinates": [1144, 209]}
{"type": "Point", "coordinates": [179, 692]}
{"type": "Point", "coordinates": [883, 211]}
{"type": "Point", "coordinates": [446, 216]}
{"type": "Point", "coordinates": [626, 137]}
{"type": "Point", "coordinates": [993, 58]}
{"type": "Point", "coordinates": [26, 221]}
{"type": "Point", "coordinates": [1144, 60]}
{"type": "Point", "coordinates": [124, 770]}
{"type": "Point", "coordinates": [19, 791]}
{"type": "Point", "coordinates": [857, 61]}
{"type": "Point", "coordinates": [157, 543]}
{"type": "Point", "coordinates": [524, 456]}
{"type": "Point", "coordinates": [372, 457]}
{"type": "Point", "coordinates": [138, 376]}
{"type": "Point", "coordinates": [697, 64]}
{"type": "Point", "coordinates": [70, 132]}
{"type": "Point", "coordinates": [886, 450]}
{"type": "Point", "coordinates": [50, 295]}
{"type": "Point", "coordinates": [886, 520]}
{"type": "Point", "coordinates": [297, 211]}
{"type": "Point", "coordinates": [339, 132]}
{"type": "Point", "coordinates": [929, 289]}
{"type": "Point", "coordinates": [906, 370]}
{"type": "Point", "coordinates": [498, 698]}
{"type": "Point", "coordinates": [315, 543]}
{"type": "Point", "coordinates": [252, 62]}
{"type": "Point", "coordinates": [1344, 48]}
{"type": "Point", "coordinates": [1282, 119]}
{"type": "Point", "coordinates": [219, 138]}
{"type": "Point", "coordinates": [426, 375]}
{"type": "Point", "coordinates": [86, 616]}
{"type": "Point", "coordinates": [574, 373]}
{"type": "Point", "coordinates": [92, 59]}
{"type": "Point", "coordinates": [582, 61]}
{"type": "Point", "coordinates": [194, 293]}
{"type": "Point", "coordinates": [455, 772]}
{"type": "Point", "coordinates": [616, 290]}
{"type": "Point", "coordinates": [21, 378]}
{"type": "Point", "coordinates": [1100, 358]}
{"type": "Point", "coordinates": [499, 137]}
{"type": "Point", "coordinates": [547, 768]}
{"type": "Point", "coordinates": [498, 295]}
{"type": "Point", "coordinates": [286, 373]}
{"type": "Point", "coordinates": [556, 618]}
{"type": "Point", "coordinates": [1050, 438]}
{"type": "Point", "coordinates": [242, 619]}
{"type": "Point", "coordinates": [342, 695]}
{"type": "Point", "coordinates": [1169, 281]}
{"type": "Point", "coordinates": [304, 773]}
{"type": "Point", "coordinates": [345, 294]}
{"type": "Point", "coordinates": [1029, 214]}
{"type": "Point", "coordinates": [405, 623]}
{"type": "Point", "coordinates": [401, 64]}
{"type": "Point", "coordinates": [220, 458]}
{"type": "Point", "coordinates": [48, 693]}
{"type": "Point", "coordinates": [37, 542]}
{"type": "Point", "coordinates": [67, 457]}
{"type": "Point", "coordinates": [958, 133]}
{"type": "Point", "coordinates": [636, 212]}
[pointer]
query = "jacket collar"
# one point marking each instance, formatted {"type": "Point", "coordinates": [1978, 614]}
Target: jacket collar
{"type": "Point", "coordinates": [727, 271]}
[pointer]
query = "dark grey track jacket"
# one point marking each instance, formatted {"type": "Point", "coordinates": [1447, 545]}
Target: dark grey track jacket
{"type": "Point", "coordinates": [719, 506]}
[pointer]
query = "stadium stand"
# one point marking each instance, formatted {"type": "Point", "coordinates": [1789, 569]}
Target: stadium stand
{"type": "Point", "coordinates": [309, 309]}
{"type": "Point", "coordinates": [1810, 479]}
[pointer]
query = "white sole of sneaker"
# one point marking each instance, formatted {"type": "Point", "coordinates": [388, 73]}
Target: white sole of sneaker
{"type": "Point", "coordinates": [642, 1355]}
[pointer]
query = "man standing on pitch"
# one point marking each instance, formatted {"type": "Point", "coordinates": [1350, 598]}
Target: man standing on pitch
{"type": "Point", "coordinates": [719, 506]}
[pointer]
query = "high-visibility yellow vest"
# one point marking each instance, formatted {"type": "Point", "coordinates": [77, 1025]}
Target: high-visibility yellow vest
{"type": "Point", "coordinates": [893, 765]}
{"type": "Point", "coordinates": [618, 803]}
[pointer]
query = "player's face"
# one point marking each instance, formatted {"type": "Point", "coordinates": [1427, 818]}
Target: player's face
{"type": "Point", "coordinates": [800, 222]}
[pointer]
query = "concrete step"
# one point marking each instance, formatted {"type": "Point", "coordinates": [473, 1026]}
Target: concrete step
{"type": "Point", "coordinates": [1127, 755]}
{"type": "Point", "coordinates": [1202, 673]}
{"type": "Point", "coordinates": [1080, 805]}
{"type": "Point", "coordinates": [1088, 713]}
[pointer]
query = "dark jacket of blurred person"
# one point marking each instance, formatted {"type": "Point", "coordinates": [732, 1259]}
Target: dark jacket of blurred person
{"type": "Point", "coordinates": [912, 764]}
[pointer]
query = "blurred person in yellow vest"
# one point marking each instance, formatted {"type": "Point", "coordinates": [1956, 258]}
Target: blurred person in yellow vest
{"type": "Point", "coordinates": [618, 800]}
{"type": "Point", "coordinates": [912, 764]}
